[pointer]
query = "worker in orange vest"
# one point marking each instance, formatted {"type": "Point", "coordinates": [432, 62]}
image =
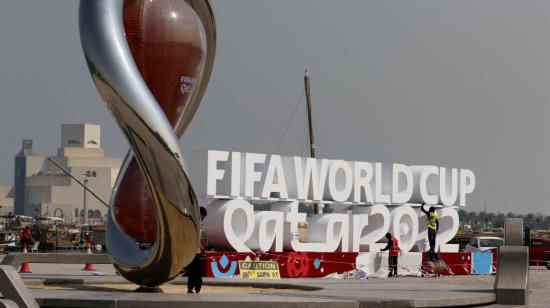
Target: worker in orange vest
{"type": "Point", "coordinates": [393, 247]}
{"type": "Point", "coordinates": [88, 239]}
{"type": "Point", "coordinates": [26, 238]}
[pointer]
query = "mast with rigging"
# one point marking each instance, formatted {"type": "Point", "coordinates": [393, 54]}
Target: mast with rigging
{"type": "Point", "coordinates": [310, 126]}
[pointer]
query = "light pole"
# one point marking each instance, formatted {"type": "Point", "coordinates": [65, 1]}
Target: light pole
{"type": "Point", "coordinates": [87, 175]}
{"type": "Point", "coordinates": [86, 179]}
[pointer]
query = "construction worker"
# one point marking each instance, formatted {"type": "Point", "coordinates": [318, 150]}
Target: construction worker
{"type": "Point", "coordinates": [26, 236]}
{"type": "Point", "coordinates": [88, 239]}
{"type": "Point", "coordinates": [393, 247]}
{"type": "Point", "coordinates": [433, 226]}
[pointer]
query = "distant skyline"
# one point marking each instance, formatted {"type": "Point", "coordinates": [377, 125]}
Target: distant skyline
{"type": "Point", "coordinates": [462, 84]}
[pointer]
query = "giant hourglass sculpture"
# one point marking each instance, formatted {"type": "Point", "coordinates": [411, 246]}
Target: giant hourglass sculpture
{"type": "Point", "coordinates": [151, 61]}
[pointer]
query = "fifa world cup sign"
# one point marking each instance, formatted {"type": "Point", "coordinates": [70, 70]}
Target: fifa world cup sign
{"type": "Point", "coordinates": [151, 62]}
{"type": "Point", "coordinates": [368, 200]}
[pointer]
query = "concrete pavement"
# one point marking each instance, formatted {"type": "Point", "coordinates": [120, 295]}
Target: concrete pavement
{"type": "Point", "coordinates": [377, 292]}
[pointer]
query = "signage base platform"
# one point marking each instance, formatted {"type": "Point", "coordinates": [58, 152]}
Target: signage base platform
{"type": "Point", "coordinates": [352, 265]}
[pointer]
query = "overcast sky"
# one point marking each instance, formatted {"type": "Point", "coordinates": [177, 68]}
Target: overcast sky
{"type": "Point", "coordinates": [462, 84]}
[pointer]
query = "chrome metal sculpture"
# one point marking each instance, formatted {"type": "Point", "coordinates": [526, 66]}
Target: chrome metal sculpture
{"type": "Point", "coordinates": [151, 61]}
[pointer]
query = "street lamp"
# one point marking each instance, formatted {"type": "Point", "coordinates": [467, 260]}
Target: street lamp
{"type": "Point", "coordinates": [85, 217]}
{"type": "Point", "coordinates": [89, 174]}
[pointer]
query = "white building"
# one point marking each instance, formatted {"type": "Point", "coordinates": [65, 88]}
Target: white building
{"type": "Point", "coordinates": [43, 189]}
{"type": "Point", "coordinates": [6, 200]}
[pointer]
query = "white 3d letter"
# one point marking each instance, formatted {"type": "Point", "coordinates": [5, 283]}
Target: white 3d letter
{"type": "Point", "coordinates": [400, 195]}
{"type": "Point", "coordinates": [235, 174]}
{"type": "Point", "coordinates": [268, 230]}
{"type": "Point", "coordinates": [428, 199]}
{"type": "Point", "coordinates": [340, 188]}
{"type": "Point", "coordinates": [404, 226]}
{"type": "Point", "coordinates": [447, 198]}
{"type": "Point", "coordinates": [230, 224]}
{"type": "Point", "coordinates": [358, 222]}
{"type": "Point", "coordinates": [292, 219]}
{"type": "Point", "coordinates": [326, 232]}
{"type": "Point", "coordinates": [379, 197]}
{"type": "Point", "coordinates": [362, 174]}
{"type": "Point", "coordinates": [378, 226]}
{"type": "Point", "coordinates": [251, 175]}
{"type": "Point", "coordinates": [448, 226]}
{"type": "Point", "coordinates": [310, 177]}
{"type": "Point", "coordinates": [467, 184]}
{"type": "Point", "coordinates": [275, 169]}
{"type": "Point", "coordinates": [214, 173]}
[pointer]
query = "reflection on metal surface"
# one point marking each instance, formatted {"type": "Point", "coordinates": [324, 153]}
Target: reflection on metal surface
{"type": "Point", "coordinates": [150, 61]}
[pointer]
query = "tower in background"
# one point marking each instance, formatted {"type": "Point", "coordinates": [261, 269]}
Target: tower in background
{"type": "Point", "coordinates": [26, 164]}
{"type": "Point", "coordinates": [41, 189]}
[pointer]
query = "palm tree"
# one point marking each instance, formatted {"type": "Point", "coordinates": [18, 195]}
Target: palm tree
{"type": "Point", "coordinates": [472, 217]}
{"type": "Point", "coordinates": [499, 221]}
{"type": "Point", "coordinates": [482, 217]}
{"type": "Point", "coordinates": [490, 219]}
{"type": "Point", "coordinates": [529, 220]}
{"type": "Point", "coordinates": [462, 217]}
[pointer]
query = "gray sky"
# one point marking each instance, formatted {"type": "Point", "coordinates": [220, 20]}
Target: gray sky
{"type": "Point", "coordinates": [461, 84]}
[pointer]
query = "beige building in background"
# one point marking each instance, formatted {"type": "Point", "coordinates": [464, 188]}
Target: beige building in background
{"type": "Point", "coordinates": [42, 189]}
{"type": "Point", "coordinates": [6, 200]}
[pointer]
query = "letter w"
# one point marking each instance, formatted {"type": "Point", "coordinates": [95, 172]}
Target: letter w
{"type": "Point", "coordinates": [309, 177]}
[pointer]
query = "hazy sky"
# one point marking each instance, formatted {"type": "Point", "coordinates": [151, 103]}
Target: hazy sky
{"type": "Point", "coordinates": [461, 84]}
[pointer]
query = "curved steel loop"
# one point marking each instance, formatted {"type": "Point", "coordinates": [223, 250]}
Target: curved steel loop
{"type": "Point", "coordinates": [153, 142]}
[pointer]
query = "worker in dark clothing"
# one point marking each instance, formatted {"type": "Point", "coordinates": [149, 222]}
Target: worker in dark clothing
{"type": "Point", "coordinates": [194, 269]}
{"type": "Point", "coordinates": [433, 226]}
{"type": "Point", "coordinates": [393, 247]}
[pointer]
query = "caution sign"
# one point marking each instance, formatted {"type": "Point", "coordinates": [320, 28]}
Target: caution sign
{"type": "Point", "coordinates": [259, 269]}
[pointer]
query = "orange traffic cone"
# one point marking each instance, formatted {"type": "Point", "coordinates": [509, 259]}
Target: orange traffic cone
{"type": "Point", "coordinates": [89, 266]}
{"type": "Point", "coordinates": [25, 266]}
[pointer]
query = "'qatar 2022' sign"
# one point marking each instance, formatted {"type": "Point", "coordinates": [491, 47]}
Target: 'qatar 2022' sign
{"type": "Point", "coordinates": [368, 200]}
